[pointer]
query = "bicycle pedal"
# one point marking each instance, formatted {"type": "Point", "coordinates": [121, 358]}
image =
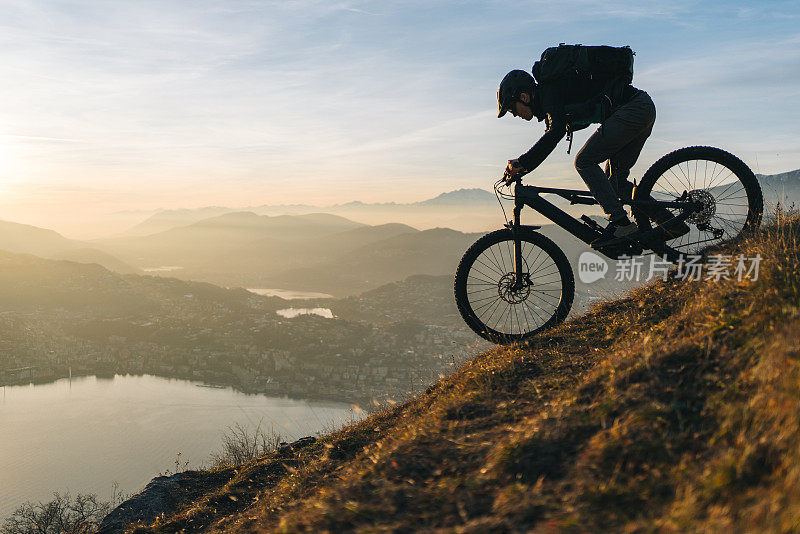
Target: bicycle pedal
{"type": "Point", "coordinates": [591, 223]}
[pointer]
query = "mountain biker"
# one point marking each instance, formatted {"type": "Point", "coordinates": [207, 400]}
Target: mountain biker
{"type": "Point", "coordinates": [629, 118]}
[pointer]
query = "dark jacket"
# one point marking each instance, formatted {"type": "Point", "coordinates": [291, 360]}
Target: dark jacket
{"type": "Point", "coordinates": [549, 104]}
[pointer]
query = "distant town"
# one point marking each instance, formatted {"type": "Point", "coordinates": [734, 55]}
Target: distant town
{"type": "Point", "coordinates": [247, 346]}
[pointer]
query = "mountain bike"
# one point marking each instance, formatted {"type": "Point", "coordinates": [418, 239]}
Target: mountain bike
{"type": "Point", "coordinates": [515, 282]}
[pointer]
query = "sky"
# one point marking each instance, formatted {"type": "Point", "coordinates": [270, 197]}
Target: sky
{"type": "Point", "coordinates": [135, 105]}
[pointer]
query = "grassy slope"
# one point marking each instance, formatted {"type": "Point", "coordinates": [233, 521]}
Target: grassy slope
{"type": "Point", "coordinates": [674, 409]}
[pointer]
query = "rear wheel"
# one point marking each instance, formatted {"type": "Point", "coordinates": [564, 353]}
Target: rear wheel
{"type": "Point", "coordinates": [727, 189]}
{"type": "Point", "coordinates": [496, 305]}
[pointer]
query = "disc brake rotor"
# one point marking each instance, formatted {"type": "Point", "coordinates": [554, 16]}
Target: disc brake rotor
{"type": "Point", "coordinates": [511, 291]}
{"type": "Point", "coordinates": [709, 206]}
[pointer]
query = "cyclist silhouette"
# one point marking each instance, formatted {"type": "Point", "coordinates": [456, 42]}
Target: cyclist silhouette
{"type": "Point", "coordinates": [629, 119]}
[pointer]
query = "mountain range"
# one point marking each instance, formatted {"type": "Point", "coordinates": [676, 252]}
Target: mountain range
{"type": "Point", "coordinates": [475, 198]}
{"type": "Point", "coordinates": [466, 210]}
{"type": "Point", "coordinates": [323, 252]}
{"type": "Point", "coordinates": [197, 243]}
{"type": "Point", "coordinates": [783, 188]}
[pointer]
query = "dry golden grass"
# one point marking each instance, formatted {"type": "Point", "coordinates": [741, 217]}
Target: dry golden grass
{"type": "Point", "coordinates": [674, 409]}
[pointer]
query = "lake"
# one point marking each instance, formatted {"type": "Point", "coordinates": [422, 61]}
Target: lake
{"type": "Point", "coordinates": [289, 294]}
{"type": "Point", "coordinates": [85, 434]}
{"type": "Point", "coordinates": [162, 269]}
{"type": "Point", "coordinates": [294, 312]}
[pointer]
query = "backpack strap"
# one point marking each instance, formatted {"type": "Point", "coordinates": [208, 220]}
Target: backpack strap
{"type": "Point", "coordinates": [569, 137]}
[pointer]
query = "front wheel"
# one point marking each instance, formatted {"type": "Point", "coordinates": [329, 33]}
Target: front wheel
{"type": "Point", "coordinates": [721, 183]}
{"type": "Point", "coordinates": [498, 306]}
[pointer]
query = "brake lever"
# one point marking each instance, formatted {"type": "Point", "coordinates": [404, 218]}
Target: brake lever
{"type": "Point", "coordinates": [510, 179]}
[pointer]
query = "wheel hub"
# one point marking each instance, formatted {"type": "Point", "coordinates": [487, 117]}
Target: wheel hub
{"type": "Point", "coordinates": [708, 209]}
{"type": "Point", "coordinates": [511, 291]}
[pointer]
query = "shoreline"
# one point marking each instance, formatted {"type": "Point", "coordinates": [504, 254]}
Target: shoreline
{"type": "Point", "coordinates": [363, 402]}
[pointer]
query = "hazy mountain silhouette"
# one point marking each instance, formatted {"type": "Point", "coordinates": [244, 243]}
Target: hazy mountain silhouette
{"type": "Point", "coordinates": [431, 252]}
{"type": "Point", "coordinates": [781, 188]}
{"type": "Point", "coordinates": [23, 238]}
{"type": "Point", "coordinates": [269, 256]}
{"type": "Point", "coordinates": [92, 255]}
{"type": "Point", "coordinates": [466, 210]}
{"type": "Point", "coordinates": [461, 197]}
{"type": "Point", "coordinates": [195, 244]}
{"type": "Point", "coordinates": [447, 209]}
{"type": "Point", "coordinates": [168, 219]}
{"type": "Point", "coordinates": [26, 239]}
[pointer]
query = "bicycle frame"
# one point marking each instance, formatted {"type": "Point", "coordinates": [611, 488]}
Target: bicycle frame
{"type": "Point", "coordinates": [586, 229]}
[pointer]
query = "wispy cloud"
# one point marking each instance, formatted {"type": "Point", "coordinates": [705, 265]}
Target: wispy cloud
{"type": "Point", "coordinates": [229, 98]}
{"type": "Point", "coordinates": [756, 63]}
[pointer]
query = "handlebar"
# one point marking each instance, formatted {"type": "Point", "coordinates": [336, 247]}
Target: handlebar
{"type": "Point", "coordinates": [508, 180]}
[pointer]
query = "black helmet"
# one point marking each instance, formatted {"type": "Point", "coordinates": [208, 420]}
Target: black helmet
{"type": "Point", "coordinates": [514, 83]}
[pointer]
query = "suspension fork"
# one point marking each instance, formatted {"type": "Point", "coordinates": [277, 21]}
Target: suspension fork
{"type": "Point", "coordinates": [521, 278]}
{"type": "Point", "coordinates": [515, 231]}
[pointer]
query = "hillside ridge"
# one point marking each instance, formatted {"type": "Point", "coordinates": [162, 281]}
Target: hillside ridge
{"type": "Point", "coordinates": [674, 408]}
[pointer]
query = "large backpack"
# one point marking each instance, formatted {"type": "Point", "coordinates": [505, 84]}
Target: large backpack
{"type": "Point", "coordinates": [578, 62]}
{"type": "Point", "coordinates": [610, 67]}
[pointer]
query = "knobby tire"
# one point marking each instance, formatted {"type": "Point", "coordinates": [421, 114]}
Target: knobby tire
{"type": "Point", "coordinates": [479, 283]}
